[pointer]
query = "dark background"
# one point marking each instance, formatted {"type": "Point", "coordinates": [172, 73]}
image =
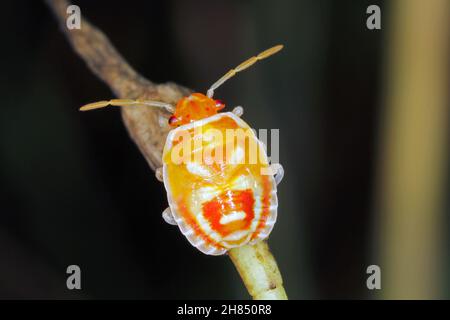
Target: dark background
{"type": "Point", "coordinates": [74, 189]}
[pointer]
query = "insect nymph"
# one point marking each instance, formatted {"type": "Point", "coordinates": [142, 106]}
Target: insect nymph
{"type": "Point", "coordinates": [217, 204]}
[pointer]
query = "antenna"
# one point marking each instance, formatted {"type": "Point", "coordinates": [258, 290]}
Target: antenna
{"type": "Point", "coordinates": [244, 65]}
{"type": "Point", "coordinates": [127, 103]}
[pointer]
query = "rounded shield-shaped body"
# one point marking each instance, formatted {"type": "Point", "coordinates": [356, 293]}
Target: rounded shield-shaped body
{"type": "Point", "coordinates": [219, 184]}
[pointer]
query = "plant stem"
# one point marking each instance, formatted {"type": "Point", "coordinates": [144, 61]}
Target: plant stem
{"type": "Point", "coordinates": [413, 159]}
{"type": "Point", "coordinates": [259, 271]}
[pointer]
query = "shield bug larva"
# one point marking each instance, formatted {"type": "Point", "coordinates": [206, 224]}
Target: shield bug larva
{"type": "Point", "coordinates": [217, 196]}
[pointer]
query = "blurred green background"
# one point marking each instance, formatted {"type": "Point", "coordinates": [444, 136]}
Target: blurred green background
{"type": "Point", "coordinates": [75, 189]}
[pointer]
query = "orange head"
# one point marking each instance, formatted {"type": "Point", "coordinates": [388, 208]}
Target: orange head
{"type": "Point", "coordinates": [194, 107]}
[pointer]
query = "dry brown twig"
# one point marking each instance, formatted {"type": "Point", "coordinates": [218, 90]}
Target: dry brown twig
{"type": "Point", "coordinates": [255, 264]}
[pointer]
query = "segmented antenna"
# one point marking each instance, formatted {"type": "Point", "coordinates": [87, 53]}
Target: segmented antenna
{"type": "Point", "coordinates": [244, 65]}
{"type": "Point", "coordinates": [127, 103]}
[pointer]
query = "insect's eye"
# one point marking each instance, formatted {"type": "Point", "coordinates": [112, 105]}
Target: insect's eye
{"type": "Point", "coordinates": [172, 120]}
{"type": "Point", "coordinates": [219, 104]}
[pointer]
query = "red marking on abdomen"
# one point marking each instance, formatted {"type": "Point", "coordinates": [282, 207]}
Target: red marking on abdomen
{"type": "Point", "coordinates": [198, 231]}
{"type": "Point", "coordinates": [228, 202]}
{"type": "Point", "coordinates": [265, 205]}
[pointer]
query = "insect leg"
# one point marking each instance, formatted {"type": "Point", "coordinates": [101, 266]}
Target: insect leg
{"type": "Point", "coordinates": [168, 217]}
{"type": "Point", "coordinates": [163, 121]}
{"type": "Point", "coordinates": [278, 172]}
{"type": "Point", "coordinates": [238, 111]}
{"type": "Point", "coordinates": [159, 174]}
